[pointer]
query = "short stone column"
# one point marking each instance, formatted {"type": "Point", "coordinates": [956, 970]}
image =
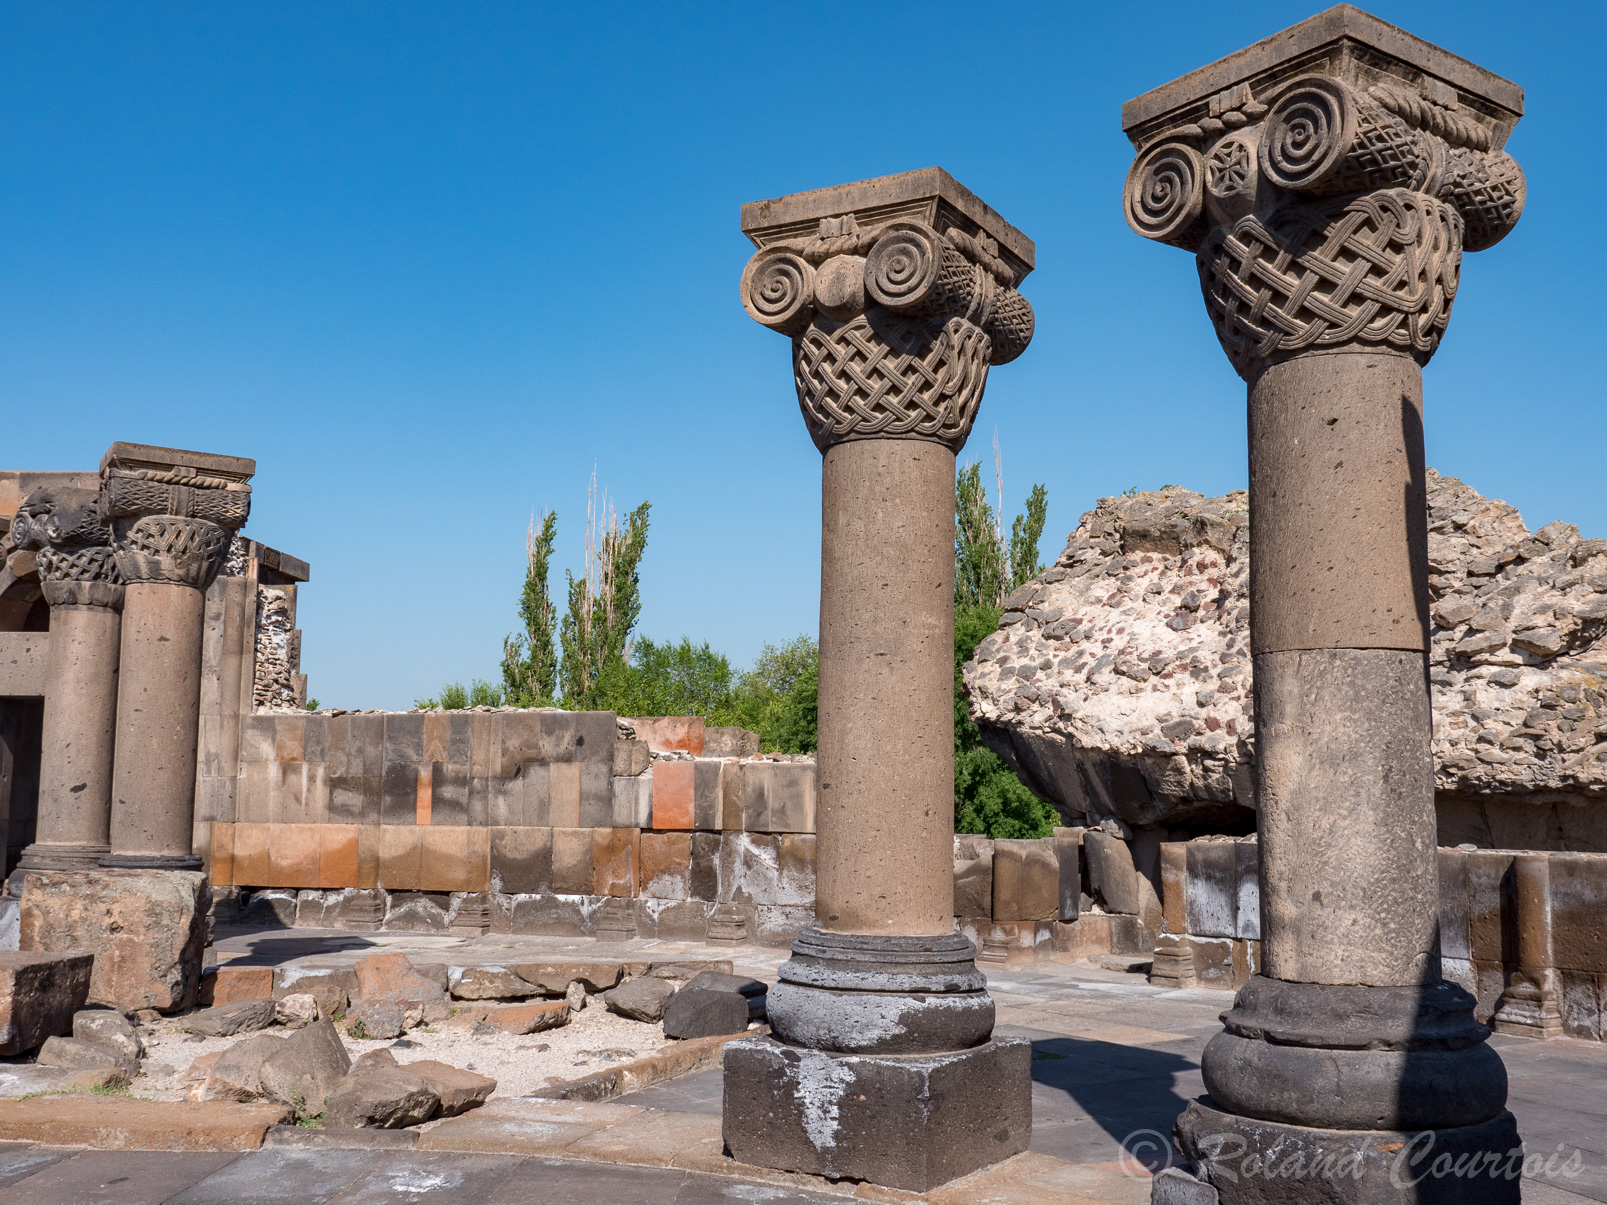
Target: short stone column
{"type": "Point", "coordinates": [173, 514]}
{"type": "Point", "coordinates": [1328, 181]}
{"type": "Point", "coordinates": [898, 294]}
{"type": "Point", "coordinates": [79, 579]}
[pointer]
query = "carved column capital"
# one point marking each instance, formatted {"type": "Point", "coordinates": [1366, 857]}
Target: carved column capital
{"type": "Point", "coordinates": [71, 541]}
{"type": "Point", "coordinates": [1328, 198]}
{"type": "Point", "coordinates": [172, 513]}
{"type": "Point", "coordinates": [898, 295]}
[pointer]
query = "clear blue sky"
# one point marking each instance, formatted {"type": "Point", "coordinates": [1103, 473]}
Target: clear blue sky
{"type": "Point", "coordinates": [429, 262]}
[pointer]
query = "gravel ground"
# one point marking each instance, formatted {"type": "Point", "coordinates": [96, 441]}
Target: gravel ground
{"type": "Point", "coordinates": [594, 1040]}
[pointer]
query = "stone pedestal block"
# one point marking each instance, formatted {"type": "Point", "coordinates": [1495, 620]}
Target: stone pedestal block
{"type": "Point", "coordinates": [1026, 881]}
{"type": "Point", "coordinates": [911, 1122]}
{"type": "Point", "coordinates": [39, 993]}
{"type": "Point", "coordinates": [146, 929]}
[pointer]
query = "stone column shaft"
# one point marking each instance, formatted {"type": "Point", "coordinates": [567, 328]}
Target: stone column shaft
{"type": "Point", "coordinates": [1328, 181]}
{"type": "Point", "coordinates": [898, 295]}
{"type": "Point", "coordinates": [884, 821]}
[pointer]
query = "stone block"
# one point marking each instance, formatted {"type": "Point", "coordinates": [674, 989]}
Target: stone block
{"type": "Point", "coordinates": [444, 858]}
{"type": "Point", "coordinates": [521, 860]}
{"type": "Point", "coordinates": [614, 861]}
{"type": "Point", "coordinates": [78, 1054]}
{"type": "Point", "coordinates": [1086, 937]}
{"type": "Point", "coordinates": [126, 1123]}
{"type": "Point", "coordinates": [108, 1027]}
{"type": "Point", "coordinates": [1112, 876]}
{"type": "Point", "coordinates": [596, 794]}
{"type": "Point", "coordinates": [391, 977]}
{"type": "Point", "coordinates": [332, 987]}
{"type": "Point", "coordinates": [673, 794]}
{"type": "Point", "coordinates": [386, 1098]}
{"type": "Point", "coordinates": [1491, 917]}
{"type": "Point", "coordinates": [417, 912]}
{"type": "Point", "coordinates": [1212, 898]}
{"type": "Point", "coordinates": [1578, 904]}
{"type": "Point", "coordinates": [337, 856]}
{"type": "Point", "coordinates": [643, 999]}
{"type": "Point", "coordinates": [1068, 856]}
{"type": "Point", "coordinates": [399, 794]}
{"type": "Point", "coordinates": [306, 1067]}
{"type": "Point", "coordinates": [296, 852]}
{"type": "Point", "coordinates": [220, 859]}
{"type": "Point", "coordinates": [708, 792]}
{"type": "Point", "coordinates": [631, 758]}
{"type": "Point", "coordinates": [356, 908]}
{"type": "Point", "coordinates": [732, 785]}
{"type": "Point", "coordinates": [226, 1020]}
{"type": "Point", "coordinates": [554, 977]}
{"type": "Point", "coordinates": [672, 920]}
{"type": "Point", "coordinates": [730, 742]}
{"type": "Point", "coordinates": [666, 865]}
{"type": "Point", "coordinates": [485, 983]}
{"type": "Point", "coordinates": [634, 803]}
{"type": "Point", "coordinates": [780, 924]}
{"type": "Point", "coordinates": [1129, 935]}
{"type": "Point", "coordinates": [146, 929]}
{"type": "Point", "coordinates": [778, 797]}
{"type": "Point", "coordinates": [274, 906]}
{"type": "Point", "coordinates": [670, 733]}
{"type": "Point", "coordinates": [1454, 941]}
{"type": "Point", "coordinates": [1026, 881]}
{"type": "Point", "coordinates": [549, 914]}
{"type": "Point", "coordinates": [703, 882]}
{"type": "Point", "coordinates": [356, 799]}
{"type": "Point", "coordinates": [973, 883]}
{"type": "Point", "coordinates": [365, 745]}
{"type": "Point", "coordinates": [530, 1016]}
{"type": "Point", "coordinates": [458, 1090]}
{"type": "Point", "coordinates": [904, 1122]}
{"type": "Point", "coordinates": [1584, 1005]}
{"type": "Point", "coordinates": [449, 793]}
{"type": "Point", "coordinates": [1247, 902]}
{"type": "Point", "coordinates": [400, 857]}
{"type": "Point", "coordinates": [1174, 887]}
{"type": "Point", "coordinates": [39, 993]}
{"type": "Point", "coordinates": [563, 796]}
{"type": "Point", "coordinates": [232, 984]}
{"type": "Point", "coordinates": [251, 801]}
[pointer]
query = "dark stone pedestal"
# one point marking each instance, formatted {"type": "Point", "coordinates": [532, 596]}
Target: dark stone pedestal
{"type": "Point", "coordinates": [1251, 1162]}
{"type": "Point", "coordinates": [902, 1121]}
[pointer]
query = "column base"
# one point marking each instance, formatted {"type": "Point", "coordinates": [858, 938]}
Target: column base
{"type": "Point", "coordinates": [1251, 1162]}
{"type": "Point", "coordinates": [81, 859]}
{"type": "Point", "coordinates": [152, 862]}
{"type": "Point", "coordinates": [902, 1121]}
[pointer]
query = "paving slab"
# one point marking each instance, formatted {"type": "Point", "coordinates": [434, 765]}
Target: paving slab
{"type": "Point", "coordinates": [430, 1178]}
{"type": "Point", "coordinates": [115, 1178]}
{"type": "Point", "coordinates": [281, 1177]}
{"type": "Point", "coordinates": [20, 1160]}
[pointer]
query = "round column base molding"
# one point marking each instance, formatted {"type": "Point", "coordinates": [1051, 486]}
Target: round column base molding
{"type": "Point", "coordinates": [877, 962]}
{"type": "Point", "coordinates": [55, 859]}
{"type": "Point", "coordinates": [878, 1022]}
{"type": "Point", "coordinates": [152, 862]}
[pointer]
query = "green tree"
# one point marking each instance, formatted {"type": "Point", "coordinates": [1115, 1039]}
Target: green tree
{"type": "Point", "coordinates": [986, 565]}
{"type": "Point", "coordinates": [667, 679]}
{"type": "Point", "coordinates": [529, 660]}
{"type": "Point", "coordinates": [453, 696]}
{"type": "Point", "coordinates": [604, 602]}
{"type": "Point", "coordinates": [778, 697]}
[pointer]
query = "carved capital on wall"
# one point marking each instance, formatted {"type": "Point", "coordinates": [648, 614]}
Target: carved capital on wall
{"type": "Point", "coordinates": [1328, 194]}
{"type": "Point", "coordinates": [173, 513]}
{"type": "Point", "coordinates": [897, 298]}
{"type": "Point", "coordinates": [72, 547]}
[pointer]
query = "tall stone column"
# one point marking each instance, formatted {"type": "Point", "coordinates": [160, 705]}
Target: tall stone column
{"type": "Point", "coordinates": [898, 294]}
{"type": "Point", "coordinates": [172, 516]}
{"type": "Point", "coordinates": [1328, 181]}
{"type": "Point", "coordinates": [79, 579]}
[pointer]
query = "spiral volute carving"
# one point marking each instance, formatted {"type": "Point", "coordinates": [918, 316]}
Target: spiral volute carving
{"type": "Point", "coordinates": [1165, 195]}
{"type": "Point", "coordinates": [778, 291]}
{"type": "Point", "coordinates": [1308, 134]}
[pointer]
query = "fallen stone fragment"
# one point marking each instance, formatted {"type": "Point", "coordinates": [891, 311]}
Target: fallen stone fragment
{"type": "Point", "coordinates": [201, 1068]}
{"type": "Point", "coordinates": [299, 1008]}
{"type": "Point", "coordinates": [128, 1123]}
{"type": "Point", "coordinates": [332, 987]}
{"type": "Point", "coordinates": [232, 984]}
{"type": "Point", "coordinates": [386, 1098]}
{"type": "Point", "coordinates": [458, 1090]}
{"type": "Point", "coordinates": [19, 1080]}
{"type": "Point", "coordinates": [687, 969]}
{"type": "Point", "coordinates": [487, 983]}
{"type": "Point", "coordinates": [375, 1020]}
{"type": "Point", "coordinates": [640, 999]}
{"type": "Point", "coordinates": [226, 1020]}
{"type": "Point", "coordinates": [146, 929]}
{"type": "Point", "coordinates": [392, 978]}
{"type": "Point", "coordinates": [575, 996]}
{"type": "Point", "coordinates": [531, 1017]}
{"type": "Point", "coordinates": [714, 1004]}
{"type": "Point", "coordinates": [237, 1072]}
{"type": "Point", "coordinates": [306, 1068]}
{"type": "Point", "coordinates": [39, 993]}
{"type": "Point", "coordinates": [554, 978]}
{"type": "Point", "coordinates": [75, 1054]}
{"type": "Point", "coordinates": [372, 1060]}
{"type": "Point", "coordinates": [109, 1028]}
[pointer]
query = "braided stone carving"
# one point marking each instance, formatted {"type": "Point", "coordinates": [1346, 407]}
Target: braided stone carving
{"type": "Point", "coordinates": [76, 566]}
{"type": "Point", "coordinates": [1334, 216]}
{"type": "Point", "coordinates": [169, 526]}
{"type": "Point", "coordinates": [894, 326]}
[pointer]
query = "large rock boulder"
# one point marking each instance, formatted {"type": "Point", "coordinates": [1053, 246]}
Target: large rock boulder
{"type": "Point", "coordinates": [1119, 682]}
{"type": "Point", "coordinates": [146, 929]}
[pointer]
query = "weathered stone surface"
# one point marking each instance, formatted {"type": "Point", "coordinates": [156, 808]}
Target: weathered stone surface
{"type": "Point", "coordinates": [39, 995]}
{"type": "Point", "coordinates": [298, 1008]}
{"type": "Point", "coordinates": [231, 984]}
{"type": "Point", "coordinates": [973, 876]}
{"type": "Point", "coordinates": [376, 1019]}
{"type": "Point", "coordinates": [530, 1017]}
{"type": "Point", "coordinates": [19, 1080]}
{"type": "Point", "coordinates": [713, 1003]}
{"type": "Point", "coordinates": [77, 1054]}
{"type": "Point", "coordinates": [554, 978]}
{"type": "Point", "coordinates": [1026, 881]}
{"type": "Point", "coordinates": [458, 1090]}
{"type": "Point", "coordinates": [487, 983]}
{"type": "Point", "coordinates": [1119, 680]}
{"type": "Point", "coordinates": [146, 929]}
{"type": "Point", "coordinates": [107, 1027]}
{"type": "Point", "coordinates": [226, 1020]}
{"type": "Point", "coordinates": [385, 1098]}
{"type": "Point", "coordinates": [305, 1068]}
{"type": "Point", "coordinates": [122, 1123]}
{"type": "Point", "coordinates": [641, 999]}
{"type": "Point", "coordinates": [392, 978]}
{"type": "Point", "coordinates": [332, 987]}
{"type": "Point", "coordinates": [237, 1072]}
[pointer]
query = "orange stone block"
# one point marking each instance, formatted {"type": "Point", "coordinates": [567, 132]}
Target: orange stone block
{"type": "Point", "coordinates": [295, 851]}
{"type": "Point", "coordinates": [252, 865]}
{"type": "Point", "coordinates": [426, 793]}
{"type": "Point", "coordinates": [337, 865]}
{"type": "Point", "coordinates": [479, 858]}
{"type": "Point", "coordinates": [289, 737]}
{"type": "Point", "coordinates": [530, 1017]}
{"type": "Point", "coordinates": [563, 786]}
{"type": "Point", "coordinates": [671, 733]}
{"type": "Point", "coordinates": [437, 728]}
{"type": "Point", "coordinates": [399, 853]}
{"type": "Point", "coordinates": [666, 865]}
{"type": "Point", "coordinates": [444, 858]}
{"type": "Point", "coordinates": [614, 856]}
{"type": "Point", "coordinates": [573, 855]}
{"type": "Point", "coordinates": [230, 984]}
{"type": "Point", "coordinates": [368, 856]}
{"type": "Point", "coordinates": [222, 869]}
{"type": "Point", "coordinates": [672, 794]}
{"type": "Point", "coordinates": [125, 1123]}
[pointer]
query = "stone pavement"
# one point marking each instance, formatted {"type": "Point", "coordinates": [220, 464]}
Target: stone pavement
{"type": "Point", "coordinates": [1115, 1060]}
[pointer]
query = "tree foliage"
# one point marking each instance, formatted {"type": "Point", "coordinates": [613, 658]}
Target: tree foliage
{"type": "Point", "coordinates": [604, 602]}
{"type": "Point", "coordinates": [529, 660]}
{"type": "Point", "coordinates": [778, 697]}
